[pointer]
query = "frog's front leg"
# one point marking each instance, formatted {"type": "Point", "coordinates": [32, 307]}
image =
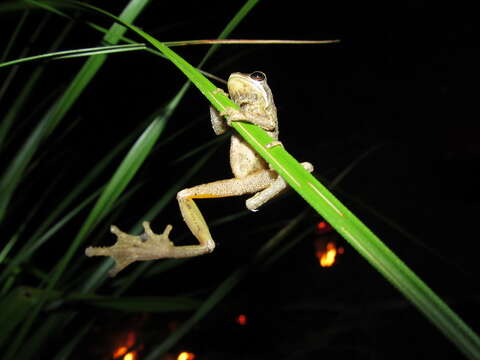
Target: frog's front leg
{"type": "Point", "coordinates": [265, 121]}
{"type": "Point", "coordinates": [219, 124]}
{"type": "Point", "coordinates": [150, 246]}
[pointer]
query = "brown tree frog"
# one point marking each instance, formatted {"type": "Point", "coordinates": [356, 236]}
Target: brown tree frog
{"type": "Point", "coordinates": [252, 175]}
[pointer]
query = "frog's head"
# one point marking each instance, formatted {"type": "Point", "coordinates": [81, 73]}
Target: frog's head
{"type": "Point", "coordinates": [250, 89]}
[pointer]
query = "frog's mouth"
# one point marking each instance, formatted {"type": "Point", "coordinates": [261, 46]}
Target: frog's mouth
{"type": "Point", "coordinates": [244, 90]}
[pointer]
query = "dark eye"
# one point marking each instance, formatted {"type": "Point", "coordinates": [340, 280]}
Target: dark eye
{"type": "Point", "coordinates": [258, 76]}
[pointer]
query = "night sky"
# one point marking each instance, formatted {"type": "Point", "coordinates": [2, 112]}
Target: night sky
{"type": "Point", "coordinates": [401, 85]}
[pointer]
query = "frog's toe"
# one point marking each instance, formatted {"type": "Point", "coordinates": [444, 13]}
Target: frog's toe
{"type": "Point", "coordinates": [130, 248]}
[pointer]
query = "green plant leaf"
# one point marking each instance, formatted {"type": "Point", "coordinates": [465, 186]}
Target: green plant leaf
{"type": "Point", "coordinates": [15, 307]}
{"type": "Point", "coordinates": [13, 175]}
{"type": "Point", "coordinates": [64, 54]}
{"type": "Point", "coordinates": [341, 218]}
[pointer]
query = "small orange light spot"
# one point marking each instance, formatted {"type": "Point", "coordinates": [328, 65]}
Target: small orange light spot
{"type": "Point", "coordinates": [185, 356]}
{"type": "Point", "coordinates": [129, 341]}
{"type": "Point", "coordinates": [323, 227]}
{"type": "Point", "coordinates": [130, 356]}
{"type": "Point", "coordinates": [241, 319]}
{"type": "Point", "coordinates": [326, 257]}
{"type": "Point", "coordinates": [122, 350]}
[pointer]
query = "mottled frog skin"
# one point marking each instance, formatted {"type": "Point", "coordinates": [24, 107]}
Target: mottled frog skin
{"type": "Point", "coordinates": [252, 175]}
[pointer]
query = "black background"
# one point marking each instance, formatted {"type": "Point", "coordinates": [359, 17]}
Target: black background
{"type": "Point", "coordinates": [403, 81]}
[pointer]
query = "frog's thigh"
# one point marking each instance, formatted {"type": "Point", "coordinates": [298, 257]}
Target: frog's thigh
{"type": "Point", "coordinates": [271, 191]}
{"type": "Point", "coordinates": [231, 187]}
{"type": "Point", "coordinates": [249, 184]}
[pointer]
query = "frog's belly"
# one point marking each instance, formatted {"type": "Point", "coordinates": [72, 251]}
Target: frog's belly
{"type": "Point", "coordinates": [243, 159]}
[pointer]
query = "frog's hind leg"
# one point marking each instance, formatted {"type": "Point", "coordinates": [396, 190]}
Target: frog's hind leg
{"type": "Point", "coordinates": [218, 189]}
{"type": "Point", "coordinates": [194, 219]}
{"type": "Point", "coordinates": [149, 246]}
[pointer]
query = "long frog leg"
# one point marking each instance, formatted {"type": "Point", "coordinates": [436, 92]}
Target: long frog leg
{"type": "Point", "coordinates": [150, 246]}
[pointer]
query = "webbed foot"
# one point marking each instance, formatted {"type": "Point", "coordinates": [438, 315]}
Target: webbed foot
{"type": "Point", "coordinates": [131, 248]}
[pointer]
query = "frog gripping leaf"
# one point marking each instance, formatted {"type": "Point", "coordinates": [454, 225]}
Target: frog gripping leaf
{"type": "Point", "coordinates": [252, 175]}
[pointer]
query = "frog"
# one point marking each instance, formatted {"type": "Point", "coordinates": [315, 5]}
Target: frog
{"type": "Point", "coordinates": [251, 175]}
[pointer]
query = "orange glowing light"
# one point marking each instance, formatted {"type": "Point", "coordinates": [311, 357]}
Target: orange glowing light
{"type": "Point", "coordinates": [321, 225]}
{"type": "Point", "coordinates": [241, 319]}
{"type": "Point", "coordinates": [327, 257]}
{"type": "Point", "coordinates": [132, 355]}
{"type": "Point", "coordinates": [122, 350]}
{"type": "Point", "coordinates": [185, 356]}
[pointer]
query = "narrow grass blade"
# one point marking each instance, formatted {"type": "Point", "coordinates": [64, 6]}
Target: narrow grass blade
{"type": "Point", "coordinates": [151, 304]}
{"type": "Point", "coordinates": [354, 231]}
{"type": "Point", "coordinates": [12, 177]}
{"type": "Point", "coordinates": [248, 42]}
{"type": "Point", "coordinates": [46, 230]}
{"type": "Point", "coordinates": [232, 24]}
{"type": "Point", "coordinates": [8, 246]}
{"type": "Point", "coordinates": [35, 242]}
{"type": "Point", "coordinates": [66, 352]}
{"type": "Point", "coordinates": [127, 170]}
{"type": "Point", "coordinates": [64, 54]}
{"type": "Point", "coordinates": [15, 307]}
{"type": "Point", "coordinates": [9, 78]}
{"type": "Point", "coordinates": [46, 330]}
{"type": "Point", "coordinates": [100, 274]}
{"type": "Point", "coordinates": [114, 188]}
{"type": "Point", "coordinates": [223, 289]}
{"type": "Point", "coordinates": [199, 149]}
{"type": "Point", "coordinates": [27, 89]}
{"type": "Point", "coordinates": [13, 37]}
{"type": "Point", "coordinates": [13, 174]}
{"type": "Point", "coordinates": [215, 297]}
{"type": "Point", "coordinates": [348, 225]}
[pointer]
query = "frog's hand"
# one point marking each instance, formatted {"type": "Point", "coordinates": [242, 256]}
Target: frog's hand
{"type": "Point", "coordinates": [131, 248]}
{"type": "Point", "coordinates": [262, 120]}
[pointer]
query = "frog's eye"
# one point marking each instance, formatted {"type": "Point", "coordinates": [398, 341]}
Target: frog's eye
{"type": "Point", "coordinates": [258, 76]}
